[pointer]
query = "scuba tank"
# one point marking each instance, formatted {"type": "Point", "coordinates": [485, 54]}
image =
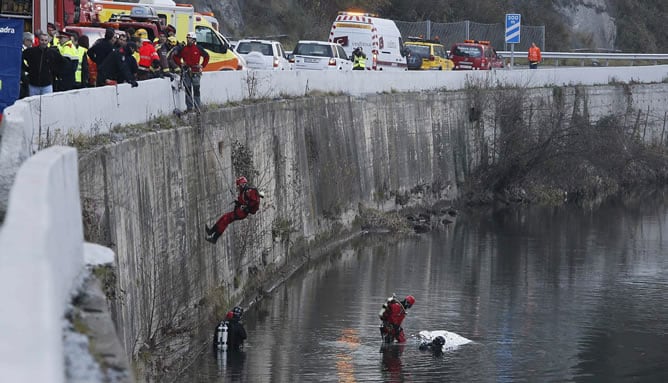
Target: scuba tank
{"type": "Point", "coordinates": [385, 329]}
{"type": "Point", "coordinates": [221, 335]}
{"type": "Point", "coordinates": [385, 306]}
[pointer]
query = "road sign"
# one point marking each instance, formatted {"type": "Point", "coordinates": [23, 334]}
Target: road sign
{"type": "Point", "coordinates": [513, 28]}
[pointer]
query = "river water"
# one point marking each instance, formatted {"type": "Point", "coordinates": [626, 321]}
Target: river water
{"type": "Point", "coordinates": [544, 294]}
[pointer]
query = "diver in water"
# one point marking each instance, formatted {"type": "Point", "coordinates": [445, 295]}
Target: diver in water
{"type": "Point", "coordinates": [435, 345]}
{"type": "Point", "coordinates": [230, 334]}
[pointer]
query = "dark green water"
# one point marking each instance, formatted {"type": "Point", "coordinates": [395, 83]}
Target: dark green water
{"type": "Point", "coordinates": [545, 294]}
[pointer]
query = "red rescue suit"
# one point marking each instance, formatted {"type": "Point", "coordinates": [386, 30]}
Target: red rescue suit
{"type": "Point", "coordinates": [247, 202]}
{"type": "Point", "coordinates": [392, 318]}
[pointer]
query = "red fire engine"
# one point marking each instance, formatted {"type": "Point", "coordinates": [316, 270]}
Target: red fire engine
{"type": "Point", "coordinates": [37, 13]}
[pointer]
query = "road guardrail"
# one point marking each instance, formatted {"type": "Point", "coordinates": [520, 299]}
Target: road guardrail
{"type": "Point", "coordinates": [601, 58]}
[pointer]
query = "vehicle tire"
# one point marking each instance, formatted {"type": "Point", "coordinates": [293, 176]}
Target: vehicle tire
{"type": "Point", "coordinates": [440, 68]}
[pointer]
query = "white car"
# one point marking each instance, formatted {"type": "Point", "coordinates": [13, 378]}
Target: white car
{"type": "Point", "coordinates": [320, 55]}
{"type": "Point", "coordinates": [263, 54]}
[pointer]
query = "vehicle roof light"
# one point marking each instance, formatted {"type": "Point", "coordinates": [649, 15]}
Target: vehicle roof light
{"type": "Point", "coordinates": [483, 42]}
{"type": "Point", "coordinates": [356, 13]}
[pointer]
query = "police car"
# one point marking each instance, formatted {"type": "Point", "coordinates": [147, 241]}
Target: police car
{"type": "Point", "coordinates": [475, 55]}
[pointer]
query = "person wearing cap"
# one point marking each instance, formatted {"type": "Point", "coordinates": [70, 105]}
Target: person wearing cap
{"type": "Point", "coordinates": [192, 59]}
{"type": "Point", "coordinates": [41, 63]}
{"type": "Point", "coordinates": [119, 66]}
{"type": "Point", "coordinates": [247, 202]}
{"type": "Point", "coordinates": [66, 79]}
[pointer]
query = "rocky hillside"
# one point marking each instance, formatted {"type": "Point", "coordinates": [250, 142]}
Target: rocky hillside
{"type": "Point", "coordinates": [627, 25]}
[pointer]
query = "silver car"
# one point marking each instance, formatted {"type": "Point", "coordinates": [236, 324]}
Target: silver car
{"type": "Point", "coordinates": [263, 54]}
{"type": "Point", "coordinates": [320, 55]}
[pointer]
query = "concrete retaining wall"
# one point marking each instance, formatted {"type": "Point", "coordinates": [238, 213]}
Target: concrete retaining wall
{"type": "Point", "coordinates": [41, 253]}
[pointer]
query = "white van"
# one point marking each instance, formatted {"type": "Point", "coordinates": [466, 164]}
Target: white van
{"type": "Point", "coordinates": [380, 39]}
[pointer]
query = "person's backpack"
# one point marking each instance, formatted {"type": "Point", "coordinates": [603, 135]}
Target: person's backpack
{"type": "Point", "coordinates": [255, 206]}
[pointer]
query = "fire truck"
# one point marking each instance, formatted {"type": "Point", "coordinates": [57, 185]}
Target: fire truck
{"type": "Point", "coordinates": [161, 13]}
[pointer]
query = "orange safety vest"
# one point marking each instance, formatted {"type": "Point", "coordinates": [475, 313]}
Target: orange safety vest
{"type": "Point", "coordinates": [534, 54]}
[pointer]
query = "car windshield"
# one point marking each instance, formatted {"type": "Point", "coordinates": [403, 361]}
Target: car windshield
{"type": "Point", "coordinates": [421, 50]}
{"type": "Point", "coordinates": [246, 47]}
{"type": "Point", "coordinates": [309, 49]}
{"type": "Point", "coordinates": [467, 51]}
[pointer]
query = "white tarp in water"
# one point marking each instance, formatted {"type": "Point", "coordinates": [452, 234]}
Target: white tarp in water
{"type": "Point", "coordinates": [452, 340]}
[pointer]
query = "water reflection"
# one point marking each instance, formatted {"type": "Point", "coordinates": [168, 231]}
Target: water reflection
{"type": "Point", "coordinates": [392, 367]}
{"type": "Point", "coordinates": [231, 365]}
{"type": "Point", "coordinates": [345, 367]}
{"type": "Point", "coordinates": [546, 294]}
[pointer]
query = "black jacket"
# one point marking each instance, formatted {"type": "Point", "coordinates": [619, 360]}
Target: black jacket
{"type": "Point", "coordinates": [100, 50]}
{"type": "Point", "coordinates": [236, 334]}
{"type": "Point", "coordinates": [118, 66]}
{"type": "Point", "coordinates": [42, 65]}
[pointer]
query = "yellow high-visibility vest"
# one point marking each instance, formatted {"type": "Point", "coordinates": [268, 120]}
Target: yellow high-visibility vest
{"type": "Point", "coordinates": [359, 62]}
{"type": "Point", "coordinates": [81, 53]}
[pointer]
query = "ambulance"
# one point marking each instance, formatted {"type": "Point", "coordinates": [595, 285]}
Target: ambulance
{"type": "Point", "coordinates": [379, 38]}
{"type": "Point", "coordinates": [181, 16]}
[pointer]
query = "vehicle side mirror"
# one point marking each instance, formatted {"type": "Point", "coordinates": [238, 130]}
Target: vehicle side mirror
{"type": "Point", "coordinates": [225, 48]}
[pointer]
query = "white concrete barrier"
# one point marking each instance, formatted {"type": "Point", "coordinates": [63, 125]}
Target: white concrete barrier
{"type": "Point", "coordinates": [41, 253]}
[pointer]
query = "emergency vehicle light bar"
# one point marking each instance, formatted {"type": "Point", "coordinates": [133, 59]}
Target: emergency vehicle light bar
{"type": "Point", "coordinates": [346, 13]}
{"type": "Point", "coordinates": [483, 42]}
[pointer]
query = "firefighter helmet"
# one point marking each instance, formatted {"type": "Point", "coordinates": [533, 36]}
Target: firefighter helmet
{"type": "Point", "coordinates": [409, 301]}
{"type": "Point", "coordinates": [142, 34]}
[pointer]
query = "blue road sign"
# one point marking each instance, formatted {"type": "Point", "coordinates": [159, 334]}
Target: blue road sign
{"type": "Point", "coordinates": [513, 21]}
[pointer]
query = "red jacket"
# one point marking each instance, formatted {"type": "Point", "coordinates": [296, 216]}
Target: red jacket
{"type": "Point", "coordinates": [147, 55]}
{"type": "Point", "coordinates": [394, 314]}
{"type": "Point", "coordinates": [191, 56]}
{"type": "Point", "coordinates": [250, 198]}
{"type": "Point", "coordinates": [534, 54]}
